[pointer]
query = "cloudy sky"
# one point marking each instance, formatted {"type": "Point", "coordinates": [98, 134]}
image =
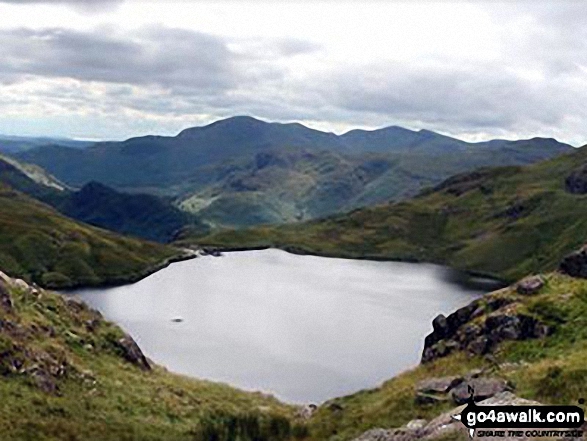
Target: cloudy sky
{"type": "Point", "coordinates": [112, 69]}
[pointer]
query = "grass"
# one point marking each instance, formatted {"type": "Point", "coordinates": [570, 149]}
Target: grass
{"type": "Point", "coordinates": [101, 396]}
{"type": "Point", "coordinates": [40, 245]}
{"type": "Point", "coordinates": [505, 222]}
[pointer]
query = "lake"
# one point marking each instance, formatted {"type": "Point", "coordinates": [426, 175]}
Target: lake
{"type": "Point", "coordinates": [304, 328]}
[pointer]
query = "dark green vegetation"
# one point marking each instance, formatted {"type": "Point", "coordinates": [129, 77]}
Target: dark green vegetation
{"type": "Point", "coordinates": [140, 215]}
{"type": "Point", "coordinates": [67, 374]}
{"type": "Point", "coordinates": [40, 245]}
{"type": "Point", "coordinates": [506, 222]}
{"type": "Point", "coordinates": [550, 370]}
{"type": "Point", "coordinates": [242, 171]}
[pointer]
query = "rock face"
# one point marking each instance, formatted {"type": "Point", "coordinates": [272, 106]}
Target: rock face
{"type": "Point", "coordinates": [478, 327]}
{"type": "Point", "coordinates": [575, 264]}
{"type": "Point", "coordinates": [576, 182]}
{"type": "Point", "coordinates": [133, 353]}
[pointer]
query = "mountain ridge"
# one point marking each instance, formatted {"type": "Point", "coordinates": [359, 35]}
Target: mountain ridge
{"type": "Point", "coordinates": [314, 174]}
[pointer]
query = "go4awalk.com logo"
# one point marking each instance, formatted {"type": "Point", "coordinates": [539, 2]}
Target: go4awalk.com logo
{"type": "Point", "coordinates": [533, 421]}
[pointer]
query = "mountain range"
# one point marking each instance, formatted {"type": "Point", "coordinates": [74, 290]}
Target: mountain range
{"type": "Point", "coordinates": [242, 171]}
{"type": "Point", "coordinates": [502, 221]}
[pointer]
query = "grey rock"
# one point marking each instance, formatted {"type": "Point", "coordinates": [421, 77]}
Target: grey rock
{"type": "Point", "coordinates": [440, 326]}
{"type": "Point", "coordinates": [438, 385]}
{"type": "Point", "coordinates": [530, 285]}
{"type": "Point", "coordinates": [481, 345]}
{"type": "Point", "coordinates": [483, 388]}
{"type": "Point", "coordinates": [133, 353]}
{"type": "Point", "coordinates": [444, 426]}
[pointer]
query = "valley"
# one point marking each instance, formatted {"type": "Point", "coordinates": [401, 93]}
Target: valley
{"type": "Point", "coordinates": [520, 218]}
{"type": "Point", "coordinates": [242, 171]}
{"type": "Point", "coordinates": [506, 222]}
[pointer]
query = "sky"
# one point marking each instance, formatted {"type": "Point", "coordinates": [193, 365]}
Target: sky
{"type": "Point", "coordinates": [112, 69]}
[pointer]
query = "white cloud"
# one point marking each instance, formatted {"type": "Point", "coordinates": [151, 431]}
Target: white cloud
{"type": "Point", "coordinates": [474, 70]}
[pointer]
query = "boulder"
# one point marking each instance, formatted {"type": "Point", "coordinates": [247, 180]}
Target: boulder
{"type": "Point", "coordinates": [444, 426]}
{"type": "Point", "coordinates": [439, 385]}
{"type": "Point", "coordinates": [132, 352]}
{"type": "Point", "coordinates": [575, 264]}
{"type": "Point", "coordinates": [483, 388]}
{"type": "Point", "coordinates": [530, 285]}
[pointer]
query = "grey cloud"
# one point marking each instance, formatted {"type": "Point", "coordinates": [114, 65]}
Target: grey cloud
{"type": "Point", "coordinates": [290, 47]}
{"type": "Point", "coordinates": [479, 98]}
{"type": "Point", "coordinates": [185, 62]}
{"type": "Point", "coordinates": [167, 58]}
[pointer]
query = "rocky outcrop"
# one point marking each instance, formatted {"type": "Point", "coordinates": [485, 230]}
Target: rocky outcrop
{"type": "Point", "coordinates": [482, 388]}
{"type": "Point", "coordinates": [575, 264]}
{"type": "Point", "coordinates": [46, 366]}
{"type": "Point", "coordinates": [478, 327]}
{"type": "Point", "coordinates": [459, 388]}
{"type": "Point", "coordinates": [132, 353]}
{"type": "Point", "coordinates": [443, 426]}
{"type": "Point", "coordinates": [576, 182]}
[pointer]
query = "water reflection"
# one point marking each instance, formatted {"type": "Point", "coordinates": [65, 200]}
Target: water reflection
{"type": "Point", "coordinates": [305, 328]}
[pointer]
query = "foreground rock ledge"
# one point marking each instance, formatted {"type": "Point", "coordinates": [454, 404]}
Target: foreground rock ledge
{"type": "Point", "coordinates": [444, 426]}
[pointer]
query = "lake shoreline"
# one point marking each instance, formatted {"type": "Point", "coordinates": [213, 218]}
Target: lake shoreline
{"type": "Point", "coordinates": [232, 302]}
{"type": "Point", "coordinates": [130, 279]}
{"type": "Point", "coordinates": [498, 281]}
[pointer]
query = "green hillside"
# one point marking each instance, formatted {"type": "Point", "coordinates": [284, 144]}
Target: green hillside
{"type": "Point", "coordinates": [67, 374]}
{"type": "Point", "coordinates": [139, 215]}
{"type": "Point", "coordinates": [506, 222]}
{"type": "Point", "coordinates": [40, 245]}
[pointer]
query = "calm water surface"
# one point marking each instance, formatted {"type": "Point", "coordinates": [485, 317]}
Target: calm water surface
{"type": "Point", "coordinates": [304, 328]}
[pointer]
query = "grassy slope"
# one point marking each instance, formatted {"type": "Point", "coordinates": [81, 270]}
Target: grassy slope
{"type": "Point", "coordinates": [100, 395]}
{"type": "Point", "coordinates": [40, 245]}
{"type": "Point", "coordinates": [553, 370]}
{"type": "Point", "coordinates": [506, 222]}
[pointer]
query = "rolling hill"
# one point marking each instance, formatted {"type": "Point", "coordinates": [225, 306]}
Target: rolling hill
{"type": "Point", "coordinates": [41, 245]}
{"type": "Point", "coordinates": [241, 171]}
{"type": "Point", "coordinates": [68, 374]}
{"type": "Point", "coordinates": [140, 215]}
{"type": "Point", "coordinates": [505, 221]}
